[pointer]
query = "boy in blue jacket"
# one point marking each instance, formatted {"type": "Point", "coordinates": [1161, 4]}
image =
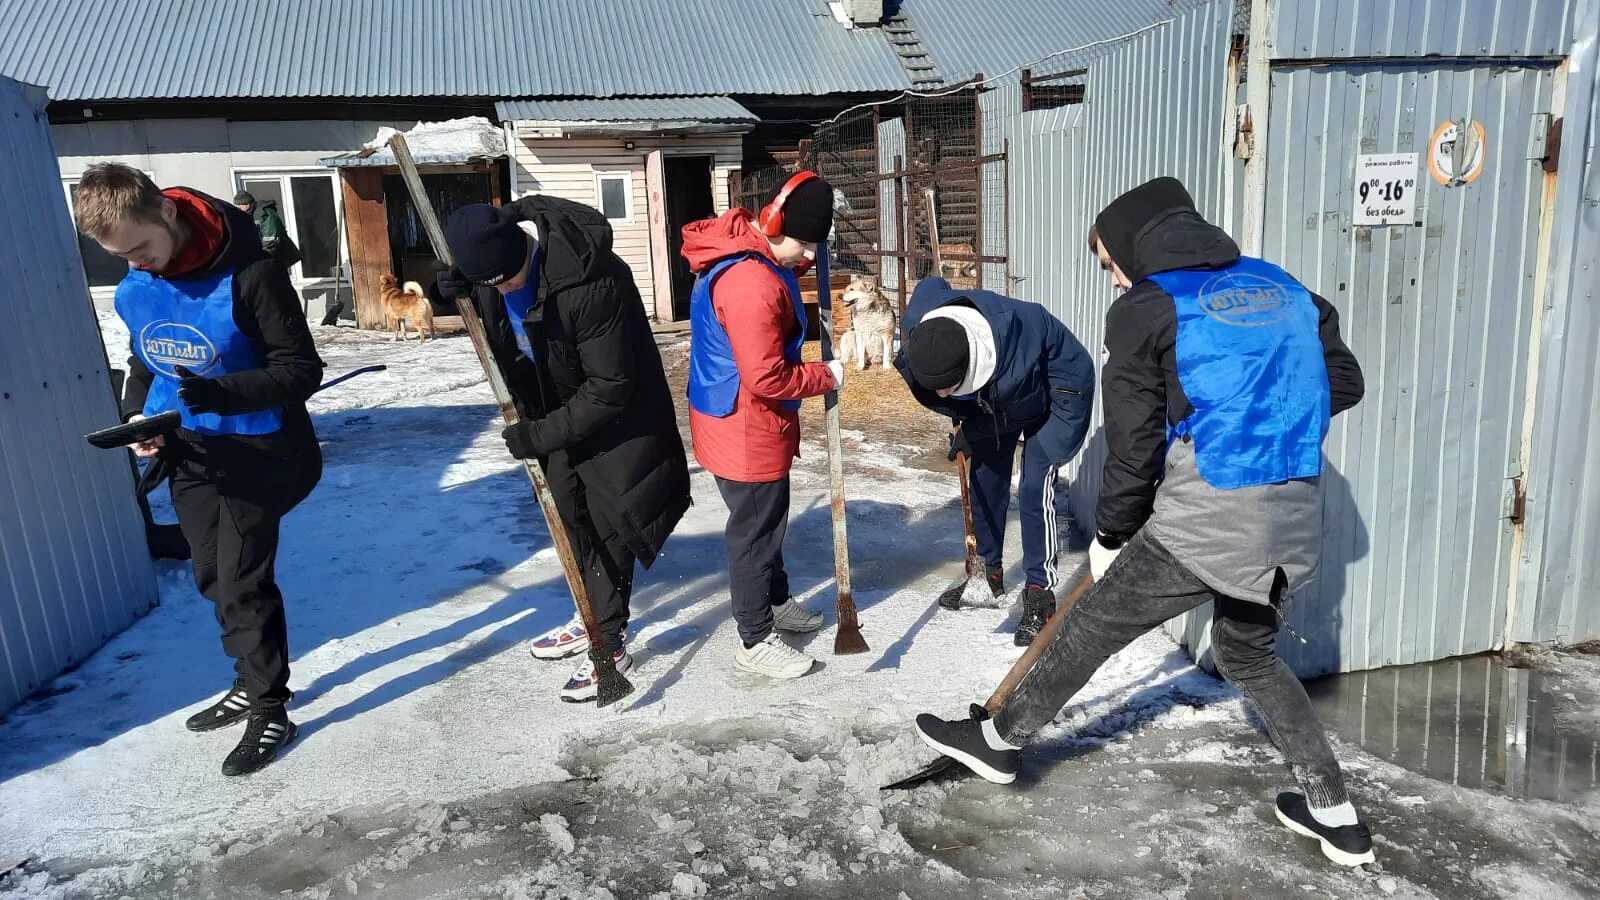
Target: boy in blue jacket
{"type": "Point", "coordinates": [1005, 370]}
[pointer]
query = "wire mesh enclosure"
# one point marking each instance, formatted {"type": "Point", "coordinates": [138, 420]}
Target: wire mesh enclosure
{"type": "Point", "coordinates": [920, 190]}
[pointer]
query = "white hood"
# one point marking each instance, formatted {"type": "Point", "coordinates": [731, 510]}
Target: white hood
{"type": "Point", "coordinates": [980, 346]}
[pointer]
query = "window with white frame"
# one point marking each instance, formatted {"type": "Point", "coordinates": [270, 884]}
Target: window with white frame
{"type": "Point", "coordinates": [307, 201]}
{"type": "Point", "coordinates": [613, 193]}
{"type": "Point", "coordinates": [101, 268]}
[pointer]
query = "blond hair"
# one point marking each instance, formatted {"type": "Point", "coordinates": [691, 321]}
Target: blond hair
{"type": "Point", "coordinates": [111, 193]}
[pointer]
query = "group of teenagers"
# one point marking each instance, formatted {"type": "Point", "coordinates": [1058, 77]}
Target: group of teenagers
{"type": "Point", "coordinates": [1219, 377]}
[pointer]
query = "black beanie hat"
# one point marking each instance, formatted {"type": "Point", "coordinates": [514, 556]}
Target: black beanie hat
{"type": "Point", "coordinates": [937, 353]}
{"type": "Point", "coordinates": [808, 211]}
{"type": "Point", "coordinates": [488, 245]}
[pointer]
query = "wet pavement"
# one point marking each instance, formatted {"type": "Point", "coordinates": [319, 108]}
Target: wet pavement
{"type": "Point", "coordinates": [1474, 722]}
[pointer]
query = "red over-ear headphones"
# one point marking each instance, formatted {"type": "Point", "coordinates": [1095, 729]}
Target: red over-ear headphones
{"type": "Point", "coordinates": [770, 221]}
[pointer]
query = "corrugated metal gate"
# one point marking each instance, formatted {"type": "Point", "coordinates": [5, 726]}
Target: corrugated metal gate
{"type": "Point", "coordinates": [1420, 485]}
{"type": "Point", "coordinates": [74, 569]}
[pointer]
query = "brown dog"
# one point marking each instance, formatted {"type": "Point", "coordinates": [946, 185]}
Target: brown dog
{"type": "Point", "coordinates": [406, 304]}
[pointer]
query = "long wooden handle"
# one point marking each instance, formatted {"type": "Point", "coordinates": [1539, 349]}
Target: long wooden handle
{"type": "Point", "coordinates": [841, 543]}
{"type": "Point", "coordinates": [503, 397]}
{"type": "Point", "coordinates": [1020, 668]}
{"type": "Point", "coordinates": [971, 534]}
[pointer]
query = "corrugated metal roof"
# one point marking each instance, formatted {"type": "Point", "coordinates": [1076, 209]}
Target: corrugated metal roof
{"type": "Point", "coordinates": [1010, 33]}
{"type": "Point", "coordinates": [385, 157]}
{"type": "Point", "coordinates": [627, 109]}
{"type": "Point", "coordinates": [149, 49]}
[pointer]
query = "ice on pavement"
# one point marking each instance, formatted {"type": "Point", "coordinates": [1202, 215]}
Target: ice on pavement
{"type": "Point", "coordinates": [436, 760]}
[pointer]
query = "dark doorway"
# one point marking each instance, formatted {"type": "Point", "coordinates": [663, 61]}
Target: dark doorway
{"type": "Point", "coordinates": [688, 187]}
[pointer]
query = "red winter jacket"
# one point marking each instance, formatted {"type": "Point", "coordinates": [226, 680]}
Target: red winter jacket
{"type": "Point", "coordinates": [758, 440]}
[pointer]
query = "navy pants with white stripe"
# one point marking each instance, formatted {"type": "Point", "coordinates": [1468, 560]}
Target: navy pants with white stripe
{"type": "Point", "coordinates": [991, 465]}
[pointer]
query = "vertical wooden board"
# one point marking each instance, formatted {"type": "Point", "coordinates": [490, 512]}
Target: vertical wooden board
{"type": "Point", "coordinates": [367, 232]}
{"type": "Point", "coordinates": [660, 263]}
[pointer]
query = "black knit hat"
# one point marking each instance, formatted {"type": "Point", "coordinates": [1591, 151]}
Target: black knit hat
{"type": "Point", "coordinates": [808, 211]}
{"type": "Point", "coordinates": [488, 245]}
{"type": "Point", "coordinates": [937, 353]}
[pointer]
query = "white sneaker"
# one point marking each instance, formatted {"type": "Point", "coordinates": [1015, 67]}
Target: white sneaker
{"type": "Point", "coordinates": [561, 642]}
{"type": "Point", "coordinates": [583, 685]}
{"type": "Point", "coordinates": [773, 658]}
{"type": "Point", "coordinates": [791, 616]}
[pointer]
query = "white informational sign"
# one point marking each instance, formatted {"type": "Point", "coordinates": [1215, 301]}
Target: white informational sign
{"type": "Point", "coordinates": [1386, 189]}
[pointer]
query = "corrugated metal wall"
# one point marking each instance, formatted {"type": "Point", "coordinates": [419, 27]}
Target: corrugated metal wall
{"type": "Point", "coordinates": [1326, 29]}
{"type": "Point", "coordinates": [1418, 555]}
{"type": "Point", "coordinates": [74, 569]}
{"type": "Point", "coordinates": [1558, 594]}
{"type": "Point", "coordinates": [1155, 106]}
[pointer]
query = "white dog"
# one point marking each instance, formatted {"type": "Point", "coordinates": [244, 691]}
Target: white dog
{"type": "Point", "coordinates": [872, 323]}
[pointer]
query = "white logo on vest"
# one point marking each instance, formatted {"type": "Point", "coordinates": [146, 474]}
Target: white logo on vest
{"type": "Point", "coordinates": [1240, 299]}
{"type": "Point", "coordinates": [166, 344]}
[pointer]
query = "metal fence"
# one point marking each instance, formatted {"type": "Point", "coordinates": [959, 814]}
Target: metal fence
{"type": "Point", "coordinates": [74, 569]}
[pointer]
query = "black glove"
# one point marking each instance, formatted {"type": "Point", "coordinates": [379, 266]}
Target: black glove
{"type": "Point", "coordinates": [521, 439]}
{"type": "Point", "coordinates": [451, 283]}
{"type": "Point", "coordinates": [958, 444]}
{"type": "Point", "coordinates": [200, 395]}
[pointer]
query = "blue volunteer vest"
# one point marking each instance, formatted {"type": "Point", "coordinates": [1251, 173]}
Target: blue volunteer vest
{"type": "Point", "coordinates": [519, 302]}
{"type": "Point", "coordinates": [190, 323]}
{"type": "Point", "coordinates": [1250, 359]}
{"type": "Point", "coordinates": [713, 376]}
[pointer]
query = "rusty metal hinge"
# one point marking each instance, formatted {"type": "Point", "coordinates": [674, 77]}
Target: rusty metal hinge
{"type": "Point", "coordinates": [1519, 501]}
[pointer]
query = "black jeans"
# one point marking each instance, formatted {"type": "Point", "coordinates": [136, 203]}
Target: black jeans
{"type": "Point", "coordinates": [607, 562]}
{"type": "Point", "coordinates": [230, 500]}
{"type": "Point", "coordinates": [758, 518]}
{"type": "Point", "coordinates": [1145, 587]}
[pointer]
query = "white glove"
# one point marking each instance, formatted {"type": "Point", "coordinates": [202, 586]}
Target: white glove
{"type": "Point", "coordinates": [837, 368]}
{"type": "Point", "coordinates": [1100, 558]}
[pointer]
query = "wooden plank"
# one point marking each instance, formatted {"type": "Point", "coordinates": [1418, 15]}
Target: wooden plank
{"type": "Point", "coordinates": [660, 262]}
{"type": "Point", "coordinates": [366, 222]}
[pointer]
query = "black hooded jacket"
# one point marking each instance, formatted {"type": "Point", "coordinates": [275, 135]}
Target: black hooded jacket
{"type": "Point", "coordinates": [597, 389]}
{"type": "Point", "coordinates": [267, 310]}
{"type": "Point", "coordinates": [1151, 229]}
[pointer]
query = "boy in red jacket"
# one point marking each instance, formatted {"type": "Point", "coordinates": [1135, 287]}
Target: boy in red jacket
{"type": "Point", "coordinates": [746, 382]}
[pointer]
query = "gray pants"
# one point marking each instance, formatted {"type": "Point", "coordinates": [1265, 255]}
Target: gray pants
{"type": "Point", "coordinates": [1145, 587]}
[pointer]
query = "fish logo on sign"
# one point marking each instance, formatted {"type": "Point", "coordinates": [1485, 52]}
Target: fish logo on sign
{"type": "Point", "coordinates": [167, 344]}
{"type": "Point", "coordinates": [1248, 300]}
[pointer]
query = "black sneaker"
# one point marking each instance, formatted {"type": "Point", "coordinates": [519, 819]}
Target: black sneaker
{"type": "Point", "coordinates": [233, 707]}
{"type": "Point", "coordinates": [996, 576]}
{"type": "Point", "coordinates": [963, 741]}
{"type": "Point", "coordinates": [268, 733]}
{"type": "Point", "coordinates": [1038, 604]}
{"type": "Point", "coordinates": [1347, 845]}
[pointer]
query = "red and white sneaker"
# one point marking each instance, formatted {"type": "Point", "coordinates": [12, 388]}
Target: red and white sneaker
{"type": "Point", "coordinates": [582, 686]}
{"type": "Point", "coordinates": [561, 642]}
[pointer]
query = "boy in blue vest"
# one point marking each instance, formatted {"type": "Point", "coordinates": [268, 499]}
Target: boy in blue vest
{"type": "Point", "coordinates": [746, 381]}
{"type": "Point", "coordinates": [1006, 371]}
{"type": "Point", "coordinates": [219, 337]}
{"type": "Point", "coordinates": [1220, 377]}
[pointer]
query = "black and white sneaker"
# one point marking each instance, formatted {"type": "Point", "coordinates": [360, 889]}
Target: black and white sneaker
{"type": "Point", "coordinates": [1347, 845]}
{"type": "Point", "coordinates": [268, 733]}
{"type": "Point", "coordinates": [963, 741]}
{"type": "Point", "coordinates": [233, 707]}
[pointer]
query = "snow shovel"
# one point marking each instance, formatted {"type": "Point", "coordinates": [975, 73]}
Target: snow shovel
{"type": "Point", "coordinates": [847, 638]}
{"type": "Point", "coordinates": [612, 685]}
{"type": "Point", "coordinates": [1008, 684]}
{"type": "Point", "coordinates": [951, 598]}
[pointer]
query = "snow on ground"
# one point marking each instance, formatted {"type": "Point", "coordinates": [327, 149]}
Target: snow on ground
{"type": "Point", "coordinates": [436, 760]}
